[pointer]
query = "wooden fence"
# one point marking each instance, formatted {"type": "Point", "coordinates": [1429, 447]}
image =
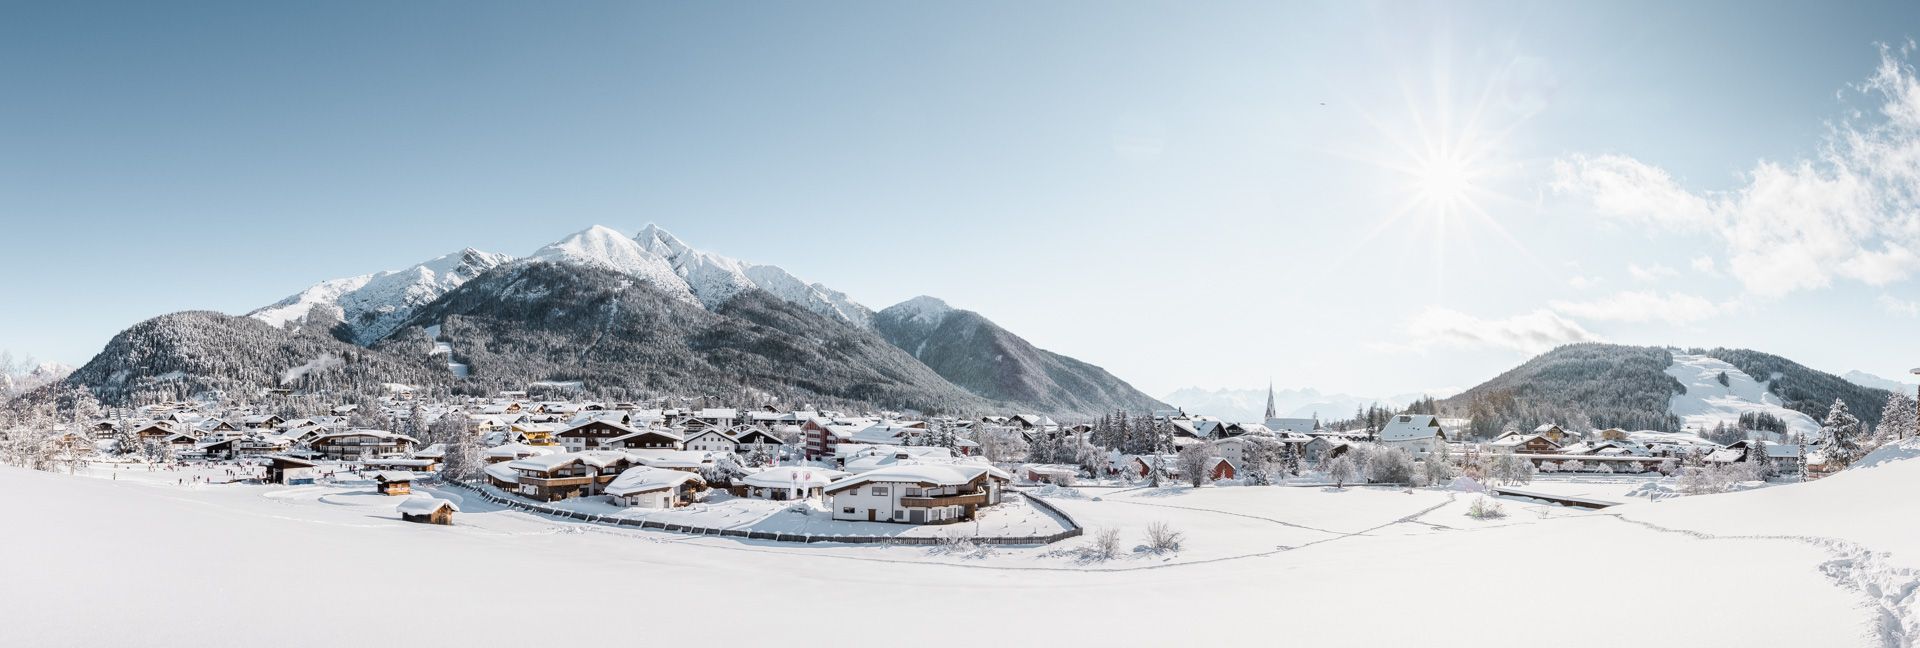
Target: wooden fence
{"type": "Point", "coordinates": [492, 495]}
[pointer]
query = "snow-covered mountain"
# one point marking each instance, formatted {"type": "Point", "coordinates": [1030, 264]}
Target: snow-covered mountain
{"type": "Point", "coordinates": [44, 373]}
{"type": "Point", "coordinates": [373, 305]}
{"type": "Point", "coordinates": [607, 249]}
{"type": "Point", "coordinates": [1865, 379]}
{"type": "Point", "coordinates": [714, 279]}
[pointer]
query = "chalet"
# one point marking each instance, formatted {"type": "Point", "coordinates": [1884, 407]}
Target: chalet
{"type": "Point", "coordinates": [393, 482]}
{"type": "Point", "coordinates": [747, 436]}
{"type": "Point", "coordinates": [712, 440]}
{"type": "Point", "coordinates": [1524, 444]}
{"type": "Point", "coordinates": [648, 439]}
{"type": "Point", "coordinates": [357, 444]}
{"type": "Point", "coordinates": [1418, 434]}
{"type": "Point", "coordinates": [1235, 449]}
{"type": "Point", "coordinates": [648, 487]}
{"type": "Point", "coordinates": [1294, 425]}
{"type": "Point", "coordinates": [1048, 473]}
{"type": "Point", "coordinates": [593, 433]}
{"type": "Point", "coordinates": [1222, 469]}
{"type": "Point", "coordinates": [1142, 465]}
{"type": "Point", "coordinates": [263, 421]}
{"type": "Point", "coordinates": [501, 475]}
{"type": "Point", "coordinates": [427, 510]}
{"type": "Point", "coordinates": [788, 482]}
{"type": "Point", "coordinates": [1554, 433]}
{"type": "Point", "coordinates": [512, 451]}
{"type": "Point", "coordinates": [714, 417]}
{"type": "Point", "coordinates": [567, 474]}
{"type": "Point", "coordinates": [282, 469]}
{"type": "Point", "coordinates": [892, 433]}
{"type": "Point", "coordinates": [921, 494]}
{"type": "Point", "coordinates": [154, 431]}
{"type": "Point", "coordinates": [682, 460]}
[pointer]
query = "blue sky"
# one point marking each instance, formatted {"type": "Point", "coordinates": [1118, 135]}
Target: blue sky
{"type": "Point", "coordinates": [1365, 198]}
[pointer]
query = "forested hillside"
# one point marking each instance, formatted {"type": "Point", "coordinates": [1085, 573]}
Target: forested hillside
{"type": "Point", "coordinates": [1806, 390]}
{"type": "Point", "coordinates": [1588, 385]}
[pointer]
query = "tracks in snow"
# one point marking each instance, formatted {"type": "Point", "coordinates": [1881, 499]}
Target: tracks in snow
{"type": "Point", "coordinates": [1890, 590]}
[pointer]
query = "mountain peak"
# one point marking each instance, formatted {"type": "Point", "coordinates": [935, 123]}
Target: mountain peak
{"type": "Point", "coordinates": [922, 308]}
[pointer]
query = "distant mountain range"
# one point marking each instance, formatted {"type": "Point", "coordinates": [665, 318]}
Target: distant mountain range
{"type": "Point", "coordinates": [646, 314]}
{"type": "Point", "coordinates": [1865, 379]}
{"type": "Point", "coordinates": [45, 373]}
{"type": "Point", "coordinates": [1246, 405]}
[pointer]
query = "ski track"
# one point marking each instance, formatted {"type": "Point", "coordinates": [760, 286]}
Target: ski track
{"type": "Point", "coordinates": [1890, 591]}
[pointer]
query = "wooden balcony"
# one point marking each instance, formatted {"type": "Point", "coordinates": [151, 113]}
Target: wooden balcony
{"type": "Point", "coordinates": [556, 482]}
{"type": "Point", "coordinates": [962, 499]}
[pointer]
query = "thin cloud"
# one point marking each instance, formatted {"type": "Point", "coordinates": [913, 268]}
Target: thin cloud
{"type": "Point", "coordinates": [1646, 306]}
{"type": "Point", "coordinates": [1650, 273]}
{"type": "Point", "coordinates": [1533, 332]}
{"type": "Point", "coordinates": [1898, 306]}
{"type": "Point", "coordinates": [1847, 212]}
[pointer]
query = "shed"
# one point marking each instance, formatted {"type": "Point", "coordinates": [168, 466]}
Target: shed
{"type": "Point", "coordinates": [393, 482]}
{"type": "Point", "coordinates": [282, 469]}
{"type": "Point", "coordinates": [427, 510]}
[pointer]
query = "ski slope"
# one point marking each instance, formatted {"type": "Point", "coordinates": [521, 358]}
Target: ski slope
{"type": "Point", "coordinates": [1708, 403]}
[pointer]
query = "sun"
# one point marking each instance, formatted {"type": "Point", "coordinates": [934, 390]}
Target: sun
{"type": "Point", "coordinates": [1444, 181]}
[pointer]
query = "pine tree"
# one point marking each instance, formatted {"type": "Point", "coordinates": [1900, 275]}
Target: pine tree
{"type": "Point", "coordinates": [1842, 436]}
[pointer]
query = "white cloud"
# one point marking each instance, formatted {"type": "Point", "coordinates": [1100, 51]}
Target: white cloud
{"type": "Point", "coordinates": [1583, 282]}
{"type": "Point", "coordinates": [1650, 273]}
{"type": "Point", "coordinates": [1850, 211]}
{"type": "Point", "coordinates": [1898, 306]}
{"type": "Point", "coordinates": [1646, 306]}
{"type": "Point", "coordinates": [1533, 332]}
{"type": "Point", "coordinates": [1705, 265]}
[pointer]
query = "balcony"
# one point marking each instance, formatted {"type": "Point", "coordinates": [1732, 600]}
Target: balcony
{"type": "Point", "coordinates": [962, 499]}
{"type": "Point", "coordinates": [560, 481]}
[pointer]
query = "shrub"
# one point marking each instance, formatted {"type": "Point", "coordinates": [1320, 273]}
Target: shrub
{"type": "Point", "coordinates": [1161, 538]}
{"type": "Point", "coordinates": [1485, 508]}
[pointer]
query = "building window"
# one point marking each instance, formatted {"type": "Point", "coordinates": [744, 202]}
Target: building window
{"type": "Point", "coordinates": [880, 490]}
{"type": "Point", "coordinates": [847, 510]}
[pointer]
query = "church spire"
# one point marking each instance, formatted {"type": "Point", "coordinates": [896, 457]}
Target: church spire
{"type": "Point", "coordinates": [1271, 414]}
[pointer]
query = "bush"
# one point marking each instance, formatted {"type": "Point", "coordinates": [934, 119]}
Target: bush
{"type": "Point", "coordinates": [1106, 544]}
{"type": "Point", "coordinates": [1161, 538]}
{"type": "Point", "coordinates": [1485, 508]}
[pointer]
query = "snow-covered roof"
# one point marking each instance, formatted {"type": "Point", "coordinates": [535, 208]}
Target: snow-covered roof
{"type": "Point", "coordinates": [793, 477]}
{"type": "Point", "coordinates": [392, 476]}
{"type": "Point", "coordinates": [937, 474]}
{"type": "Point", "coordinates": [643, 479]}
{"type": "Point", "coordinates": [502, 472]}
{"type": "Point", "coordinates": [549, 463]}
{"type": "Point", "coordinates": [671, 458]}
{"type": "Point", "coordinates": [423, 505]}
{"type": "Point", "coordinates": [1410, 427]}
{"type": "Point", "coordinates": [518, 450]}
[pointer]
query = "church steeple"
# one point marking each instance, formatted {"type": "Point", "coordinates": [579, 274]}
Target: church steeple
{"type": "Point", "coordinates": [1271, 414]}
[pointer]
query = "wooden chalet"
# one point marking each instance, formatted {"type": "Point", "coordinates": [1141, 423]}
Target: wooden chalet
{"type": "Point", "coordinates": [427, 510]}
{"type": "Point", "coordinates": [393, 482]}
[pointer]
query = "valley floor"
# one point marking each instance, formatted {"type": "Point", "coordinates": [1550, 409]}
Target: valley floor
{"type": "Point", "coordinates": [141, 558]}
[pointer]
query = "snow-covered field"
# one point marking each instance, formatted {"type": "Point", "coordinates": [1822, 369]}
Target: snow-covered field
{"type": "Point", "coordinates": [127, 556]}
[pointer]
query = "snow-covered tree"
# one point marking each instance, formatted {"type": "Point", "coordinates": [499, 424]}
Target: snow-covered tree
{"type": "Point", "coordinates": [1842, 434]}
{"type": "Point", "coordinates": [1196, 463]}
{"type": "Point", "coordinates": [462, 459]}
{"type": "Point", "coordinates": [1341, 470]}
{"type": "Point", "coordinates": [1389, 466]}
{"type": "Point", "coordinates": [1900, 419]}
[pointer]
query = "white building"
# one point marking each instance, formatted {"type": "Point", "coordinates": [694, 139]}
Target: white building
{"type": "Point", "coordinates": [917, 494]}
{"type": "Point", "coordinates": [649, 487]}
{"type": "Point", "coordinates": [1418, 434]}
